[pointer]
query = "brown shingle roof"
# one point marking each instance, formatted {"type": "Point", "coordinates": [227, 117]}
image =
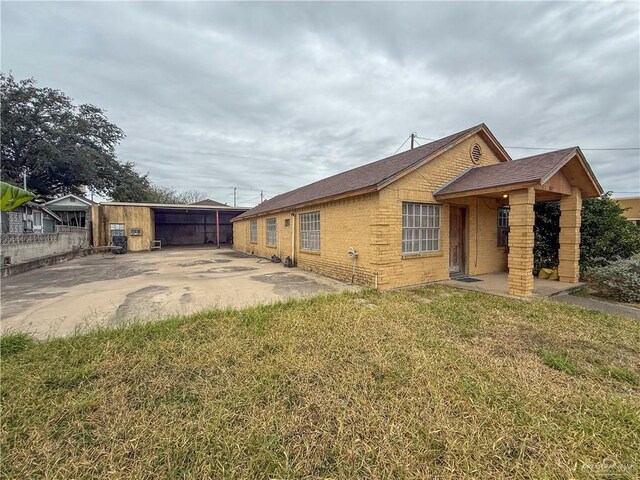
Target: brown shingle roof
{"type": "Point", "coordinates": [368, 176]}
{"type": "Point", "coordinates": [524, 170]}
{"type": "Point", "coordinates": [209, 202]}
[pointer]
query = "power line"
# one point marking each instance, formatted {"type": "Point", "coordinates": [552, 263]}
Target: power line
{"type": "Point", "coordinates": [550, 149]}
{"type": "Point", "coordinates": [402, 144]}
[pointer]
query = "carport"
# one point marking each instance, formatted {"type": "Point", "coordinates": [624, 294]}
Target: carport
{"type": "Point", "coordinates": [194, 225]}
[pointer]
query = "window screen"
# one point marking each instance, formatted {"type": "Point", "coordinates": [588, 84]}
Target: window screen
{"type": "Point", "coordinates": [272, 232]}
{"type": "Point", "coordinates": [503, 227]}
{"type": "Point", "coordinates": [310, 231]}
{"type": "Point", "coordinates": [420, 228]}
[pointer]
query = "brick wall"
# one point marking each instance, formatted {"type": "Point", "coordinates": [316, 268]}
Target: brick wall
{"type": "Point", "coordinates": [482, 253]}
{"type": "Point", "coordinates": [372, 225]}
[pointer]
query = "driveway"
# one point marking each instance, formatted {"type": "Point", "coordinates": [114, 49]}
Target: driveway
{"type": "Point", "coordinates": [91, 291]}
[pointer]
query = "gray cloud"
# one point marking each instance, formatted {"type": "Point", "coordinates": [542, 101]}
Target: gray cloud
{"type": "Point", "coordinates": [270, 96]}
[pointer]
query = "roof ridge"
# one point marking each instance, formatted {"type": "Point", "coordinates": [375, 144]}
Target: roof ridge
{"type": "Point", "coordinates": [360, 178]}
{"type": "Point", "coordinates": [547, 153]}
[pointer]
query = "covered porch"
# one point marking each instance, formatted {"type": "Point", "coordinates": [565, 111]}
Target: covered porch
{"type": "Point", "coordinates": [563, 176]}
{"type": "Point", "coordinates": [498, 284]}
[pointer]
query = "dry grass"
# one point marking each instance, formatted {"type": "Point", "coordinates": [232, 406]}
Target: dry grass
{"type": "Point", "coordinates": [433, 383]}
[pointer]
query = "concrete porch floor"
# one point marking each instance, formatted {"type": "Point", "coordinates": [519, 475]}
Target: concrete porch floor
{"type": "Point", "coordinates": [496, 284]}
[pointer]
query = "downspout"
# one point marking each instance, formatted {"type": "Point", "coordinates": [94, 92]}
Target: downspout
{"type": "Point", "coordinates": [293, 239]}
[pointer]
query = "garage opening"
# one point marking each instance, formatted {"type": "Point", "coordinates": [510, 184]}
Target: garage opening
{"type": "Point", "coordinates": [193, 227]}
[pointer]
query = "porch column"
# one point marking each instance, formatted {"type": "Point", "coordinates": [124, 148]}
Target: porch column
{"type": "Point", "coordinates": [521, 221]}
{"type": "Point", "coordinates": [570, 220]}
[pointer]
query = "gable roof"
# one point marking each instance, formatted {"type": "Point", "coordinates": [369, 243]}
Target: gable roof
{"type": "Point", "coordinates": [371, 177]}
{"type": "Point", "coordinates": [86, 201]}
{"type": "Point", "coordinates": [209, 202]}
{"type": "Point", "coordinates": [536, 169]}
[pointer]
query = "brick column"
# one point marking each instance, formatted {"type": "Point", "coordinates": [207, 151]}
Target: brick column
{"type": "Point", "coordinates": [521, 221]}
{"type": "Point", "coordinates": [569, 253]}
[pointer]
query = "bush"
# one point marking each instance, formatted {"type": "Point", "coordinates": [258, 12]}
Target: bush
{"type": "Point", "coordinates": [619, 279]}
{"type": "Point", "coordinates": [605, 233]}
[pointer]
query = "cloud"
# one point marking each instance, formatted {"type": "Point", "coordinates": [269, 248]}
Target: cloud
{"type": "Point", "coordinates": [271, 96]}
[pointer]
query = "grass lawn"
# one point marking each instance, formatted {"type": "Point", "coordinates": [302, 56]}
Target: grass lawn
{"type": "Point", "coordinates": [431, 383]}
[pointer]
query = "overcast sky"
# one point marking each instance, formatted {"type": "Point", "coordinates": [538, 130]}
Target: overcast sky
{"type": "Point", "coordinates": [273, 96]}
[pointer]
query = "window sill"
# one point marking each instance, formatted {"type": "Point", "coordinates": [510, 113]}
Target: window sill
{"type": "Point", "coordinates": [310, 252]}
{"type": "Point", "coordinates": [271, 246]}
{"type": "Point", "coordinates": [410, 256]}
{"type": "Point", "coordinates": [253, 243]}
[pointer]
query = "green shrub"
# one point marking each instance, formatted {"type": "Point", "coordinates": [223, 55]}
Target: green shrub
{"type": "Point", "coordinates": [605, 233]}
{"type": "Point", "coordinates": [619, 280]}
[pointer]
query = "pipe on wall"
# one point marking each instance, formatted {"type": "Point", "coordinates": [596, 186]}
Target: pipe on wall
{"type": "Point", "coordinates": [293, 238]}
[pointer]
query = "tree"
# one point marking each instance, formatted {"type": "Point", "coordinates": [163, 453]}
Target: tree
{"type": "Point", "coordinates": [63, 148]}
{"type": "Point", "coordinates": [191, 196]}
{"type": "Point", "coordinates": [605, 233]}
{"type": "Point", "coordinates": [131, 186]}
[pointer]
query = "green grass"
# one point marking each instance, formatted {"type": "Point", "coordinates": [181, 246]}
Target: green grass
{"type": "Point", "coordinates": [558, 360]}
{"type": "Point", "coordinates": [430, 383]}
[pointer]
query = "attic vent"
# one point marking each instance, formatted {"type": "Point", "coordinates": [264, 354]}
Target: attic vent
{"type": "Point", "coordinates": [476, 153]}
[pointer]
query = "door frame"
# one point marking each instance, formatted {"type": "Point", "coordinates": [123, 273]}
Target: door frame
{"type": "Point", "coordinates": [463, 241]}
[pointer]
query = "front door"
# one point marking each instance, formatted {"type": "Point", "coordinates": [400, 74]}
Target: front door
{"type": "Point", "coordinates": [456, 240]}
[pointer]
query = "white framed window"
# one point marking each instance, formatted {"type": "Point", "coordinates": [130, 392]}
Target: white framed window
{"type": "Point", "coordinates": [253, 229]}
{"type": "Point", "coordinates": [272, 231]}
{"type": "Point", "coordinates": [117, 230]}
{"type": "Point", "coordinates": [503, 227]}
{"type": "Point", "coordinates": [310, 231]}
{"type": "Point", "coordinates": [420, 228]}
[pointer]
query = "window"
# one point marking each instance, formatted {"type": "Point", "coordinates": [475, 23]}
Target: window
{"type": "Point", "coordinates": [272, 232]}
{"type": "Point", "coordinates": [503, 227]}
{"type": "Point", "coordinates": [117, 230]}
{"type": "Point", "coordinates": [135, 232]}
{"type": "Point", "coordinates": [310, 231]}
{"type": "Point", "coordinates": [253, 226]}
{"type": "Point", "coordinates": [287, 222]}
{"type": "Point", "coordinates": [420, 228]}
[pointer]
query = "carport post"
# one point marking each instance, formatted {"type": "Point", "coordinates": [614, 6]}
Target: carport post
{"type": "Point", "coordinates": [217, 228]}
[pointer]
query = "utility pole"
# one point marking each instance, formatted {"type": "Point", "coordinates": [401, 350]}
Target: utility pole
{"type": "Point", "coordinates": [234, 196]}
{"type": "Point", "coordinates": [413, 139]}
{"type": "Point", "coordinates": [261, 196]}
{"type": "Point", "coordinates": [24, 178]}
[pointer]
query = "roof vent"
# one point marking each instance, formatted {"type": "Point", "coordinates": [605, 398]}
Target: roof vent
{"type": "Point", "coordinates": [476, 153]}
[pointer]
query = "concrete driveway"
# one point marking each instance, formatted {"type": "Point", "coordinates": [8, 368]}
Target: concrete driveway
{"type": "Point", "coordinates": [90, 291]}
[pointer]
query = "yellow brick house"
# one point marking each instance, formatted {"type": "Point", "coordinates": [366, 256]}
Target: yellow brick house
{"type": "Point", "coordinates": [456, 206]}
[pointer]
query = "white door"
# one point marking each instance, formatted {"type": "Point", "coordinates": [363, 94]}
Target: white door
{"type": "Point", "coordinates": [37, 222]}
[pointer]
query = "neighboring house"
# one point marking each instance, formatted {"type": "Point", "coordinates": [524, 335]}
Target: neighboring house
{"type": "Point", "coordinates": [210, 203]}
{"type": "Point", "coordinates": [631, 206]}
{"type": "Point", "coordinates": [456, 206]}
{"type": "Point", "coordinates": [30, 218]}
{"type": "Point", "coordinates": [74, 211]}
